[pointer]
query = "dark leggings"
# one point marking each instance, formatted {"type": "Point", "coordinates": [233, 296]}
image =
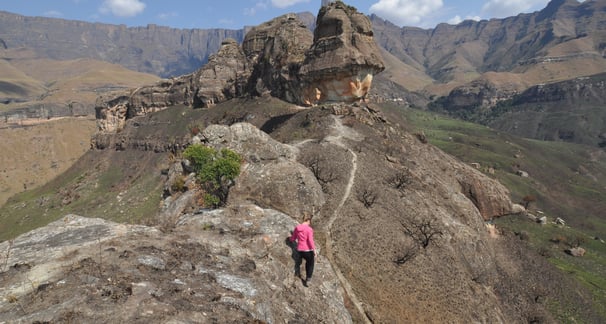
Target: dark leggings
{"type": "Point", "coordinates": [309, 263]}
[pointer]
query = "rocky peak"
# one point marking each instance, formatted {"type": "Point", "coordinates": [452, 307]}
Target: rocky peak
{"type": "Point", "coordinates": [279, 57]}
{"type": "Point", "coordinates": [343, 58]}
{"type": "Point", "coordinates": [275, 50]}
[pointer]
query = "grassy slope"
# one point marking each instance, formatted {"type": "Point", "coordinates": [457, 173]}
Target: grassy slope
{"type": "Point", "coordinates": [567, 179]}
{"type": "Point", "coordinates": [32, 155]}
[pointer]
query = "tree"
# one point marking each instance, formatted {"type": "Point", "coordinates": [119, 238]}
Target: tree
{"type": "Point", "coordinates": [215, 170]}
{"type": "Point", "coordinates": [322, 169]}
{"type": "Point", "coordinates": [367, 196]}
{"type": "Point", "coordinates": [400, 180]}
{"type": "Point", "coordinates": [423, 233]}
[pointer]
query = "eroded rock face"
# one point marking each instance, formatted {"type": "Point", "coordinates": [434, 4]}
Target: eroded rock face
{"type": "Point", "coordinates": [343, 58]}
{"type": "Point", "coordinates": [276, 50]}
{"type": "Point", "coordinates": [223, 77]}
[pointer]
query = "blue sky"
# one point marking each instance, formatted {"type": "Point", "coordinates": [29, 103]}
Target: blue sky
{"type": "Point", "coordinates": [235, 14]}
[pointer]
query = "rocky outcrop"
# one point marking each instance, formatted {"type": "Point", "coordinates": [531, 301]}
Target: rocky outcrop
{"type": "Point", "coordinates": [224, 77]}
{"type": "Point", "coordinates": [479, 94]}
{"type": "Point", "coordinates": [276, 49]}
{"type": "Point", "coordinates": [273, 177]}
{"type": "Point", "coordinates": [92, 270]}
{"type": "Point", "coordinates": [279, 58]}
{"type": "Point", "coordinates": [343, 58]}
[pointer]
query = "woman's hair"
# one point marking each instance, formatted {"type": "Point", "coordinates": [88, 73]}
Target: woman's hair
{"type": "Point", "coordinates": [307, 216]}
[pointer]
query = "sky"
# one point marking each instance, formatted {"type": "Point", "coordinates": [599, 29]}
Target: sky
{"type": "Point", "coordinates": [235, 14]}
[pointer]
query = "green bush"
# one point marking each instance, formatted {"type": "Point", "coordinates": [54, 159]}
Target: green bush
{"type": "Point", "coordinates": [215, 170]}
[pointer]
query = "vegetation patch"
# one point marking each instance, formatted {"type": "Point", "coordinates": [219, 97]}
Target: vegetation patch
{"type": "Point", "coordinates": [215, 170]}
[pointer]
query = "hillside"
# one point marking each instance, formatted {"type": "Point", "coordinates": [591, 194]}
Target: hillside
{"type": "Point", "coordinates": [64, 87]}
{"type": "Point", "coordinates": [359, 151]}
{"type": "Point", "coordinates": [566, 179]}
{"type": "Point", "coordinates": [562, 41]}
{"type": "Point", "coordinates": [47, 113]}
{"type": "Point", "coordinates": [569, 111]}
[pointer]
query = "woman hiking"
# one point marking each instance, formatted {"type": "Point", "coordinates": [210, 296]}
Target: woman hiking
{"type": "Point", "coordinates": [303, 234]}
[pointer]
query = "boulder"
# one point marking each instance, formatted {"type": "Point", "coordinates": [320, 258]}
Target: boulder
{"type": "Point", "coordinates": [86, 270]}
{"type": "Point", "coordinates": [490, 197]}
{"type": "Point", "coordinates": [576, 252]}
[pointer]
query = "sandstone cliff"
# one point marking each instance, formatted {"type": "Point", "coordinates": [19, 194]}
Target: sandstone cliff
{"type": "Point", "coordinates": [153, 49]}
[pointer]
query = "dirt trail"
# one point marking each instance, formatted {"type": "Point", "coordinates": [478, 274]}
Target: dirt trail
{"type": "Point", "coordinates": [336, 137]}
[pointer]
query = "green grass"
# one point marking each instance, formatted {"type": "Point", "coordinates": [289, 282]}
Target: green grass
{"type": "Point", "coordinates": [589, 270]}
{"type": "Point", "coordinates": [92, 188]}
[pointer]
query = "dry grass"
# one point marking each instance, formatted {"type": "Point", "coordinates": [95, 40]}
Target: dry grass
{"type": "Point", "coordinates": [31, 156]}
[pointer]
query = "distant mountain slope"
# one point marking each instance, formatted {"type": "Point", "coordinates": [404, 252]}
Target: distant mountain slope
{"type": "Point", "coordinates": [571, 111]}
{"type": "Point", "coordinates": [32, 87]}
{"type": "Point", "coordinates": [565, 33]}
{"type": "Point", "coordinates": [153, 49]}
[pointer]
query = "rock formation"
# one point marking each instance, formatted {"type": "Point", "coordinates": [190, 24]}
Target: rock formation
{"type": "Point", "coordinates": [276, 49]}
{"type": "Point", "coordinates": [343, 58]}
{"type": "Point", "coordinates": [279, 58]}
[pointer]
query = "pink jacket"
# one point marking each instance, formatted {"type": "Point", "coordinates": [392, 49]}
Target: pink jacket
{"type": "Point", "coordinates": [304, 235]}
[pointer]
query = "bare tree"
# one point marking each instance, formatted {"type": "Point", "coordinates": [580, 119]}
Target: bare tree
{"type": "Point", "coordinates": [407, 254]}
{"type": "Point", "coordinates": [367, 196]}
{"type": "Point", "coordinates": [400, 180]}
{"type": "Point", "coordinates": [423, 232]}
{"type": "Point", "coordinates": [321, 168]}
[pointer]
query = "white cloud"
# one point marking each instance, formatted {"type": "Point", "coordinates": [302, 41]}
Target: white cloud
{"type": "Point", "coordinates": [122, 8]}
{"type": "Point", "coordinates": [53, 13]}
{"type": "Point", "coordinates": [262, 5]}
{"type": "Point", "coordinates": [286, 3]}
{"type": "Point", "coordinates": [168, 15]}
{"type": "Point", "coordinates": [406, 12]}
{"type": "Point", "coordinates": [506, 8]}
{"type": "Point", "coordinates": [457, 19]}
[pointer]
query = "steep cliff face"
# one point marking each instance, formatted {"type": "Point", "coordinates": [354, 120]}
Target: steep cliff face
{"type": "Point", "coordinates": [278, 58]}
{"type": "Point", "coordinates": [158, 50]}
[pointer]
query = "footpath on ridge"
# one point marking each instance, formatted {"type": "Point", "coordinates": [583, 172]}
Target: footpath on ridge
{"type": "Point", "coordinates": [336, 138]}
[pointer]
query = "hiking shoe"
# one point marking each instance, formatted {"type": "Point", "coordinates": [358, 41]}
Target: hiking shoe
{"type": "Point", "coordinates": [307, 282]}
